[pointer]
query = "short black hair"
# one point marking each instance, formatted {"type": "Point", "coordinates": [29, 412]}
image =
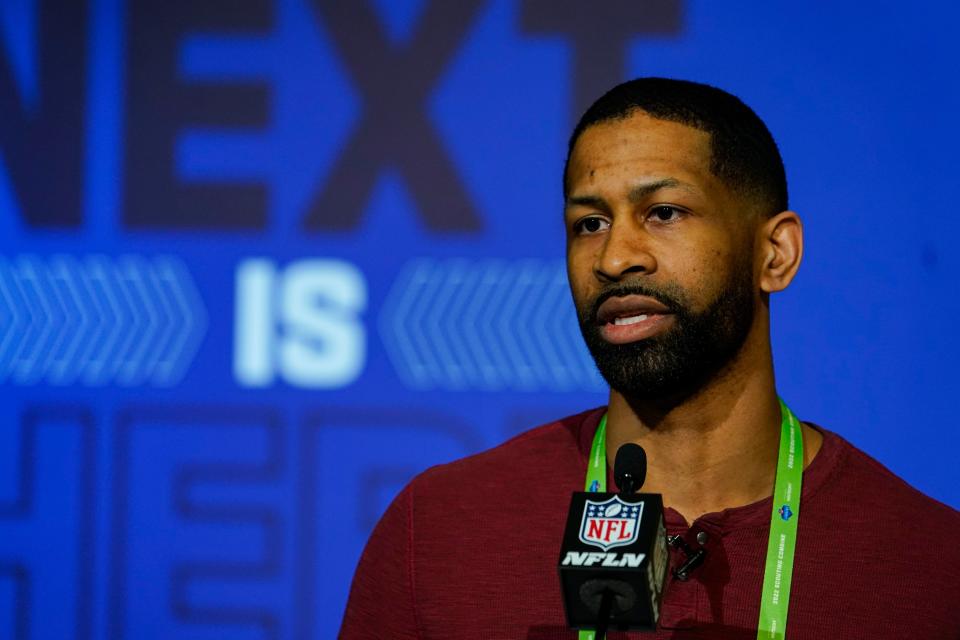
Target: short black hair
{"type": "Point", "coordinates": [743, 153]}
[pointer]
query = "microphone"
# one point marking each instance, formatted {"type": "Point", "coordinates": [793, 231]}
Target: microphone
{"type": "Point", "coordinates": [630, 468]}
{"type": "Point", "coordinates": [613, 560]}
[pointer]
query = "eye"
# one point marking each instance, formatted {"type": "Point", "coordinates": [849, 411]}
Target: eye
{"type": "Point", "coordinates": [665, 213]}
{"type": "Point", "coordinates": [590, 225]}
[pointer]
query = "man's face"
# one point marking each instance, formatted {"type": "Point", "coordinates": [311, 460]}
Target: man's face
{"type": "Point", "coordinates": [659, 256]}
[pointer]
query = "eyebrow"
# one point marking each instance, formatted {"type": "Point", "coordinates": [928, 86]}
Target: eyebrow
{"type": "Point", "coordinates": [587, 201]}
{"type": "Point", "coordinates": [641, 191]}
{"type": "Point", "coordinates": [636, 194]}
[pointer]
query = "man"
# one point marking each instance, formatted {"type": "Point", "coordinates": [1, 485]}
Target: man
{"type": "Point", "coordinates": [677, 233]}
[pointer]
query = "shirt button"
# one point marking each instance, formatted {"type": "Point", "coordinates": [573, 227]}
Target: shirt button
{"type": "Point", "coordinates": [702, 538]}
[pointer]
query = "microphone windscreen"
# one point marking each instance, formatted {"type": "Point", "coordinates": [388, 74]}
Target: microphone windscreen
{"type": "Point", "coordinates": [631, 462]}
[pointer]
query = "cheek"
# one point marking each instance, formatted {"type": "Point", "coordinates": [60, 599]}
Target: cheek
{"type": "Point", "coordinates": [703, 273]}
{"type": "Point", "coordinates": [580, 276]}
{"type": "Point", "coordinates": [729, 269]}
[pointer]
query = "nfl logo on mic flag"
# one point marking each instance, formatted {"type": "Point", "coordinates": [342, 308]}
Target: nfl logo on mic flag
{"type": "Point", "coordinates": [611, 523]}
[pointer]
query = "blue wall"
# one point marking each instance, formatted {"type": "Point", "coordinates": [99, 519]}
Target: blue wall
{"type": "Point", "coordinates": [262, 261]}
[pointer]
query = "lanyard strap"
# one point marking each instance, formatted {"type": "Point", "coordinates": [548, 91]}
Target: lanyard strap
{"type": "Point", "coordinates": [778, 572]}
{"type": "Point", "coordinates": [782, 543]}
{"type": "Point", "coordinates": [596, 477]}
{"type": "Point", "coordinates": [597, 465]}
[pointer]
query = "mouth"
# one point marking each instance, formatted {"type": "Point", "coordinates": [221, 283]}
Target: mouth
{"type": "Point", "coordinates": [625, 319]}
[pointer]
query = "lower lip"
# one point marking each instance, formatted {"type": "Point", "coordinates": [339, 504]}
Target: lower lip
{"type": "Point", "coordinates": [625, 333]}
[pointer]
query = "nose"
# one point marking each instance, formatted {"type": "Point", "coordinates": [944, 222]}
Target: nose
{"type": "Point", "coordinates": [626, 251]}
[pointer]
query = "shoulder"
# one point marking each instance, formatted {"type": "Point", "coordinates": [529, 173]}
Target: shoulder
{"type": "Point", "coordinates": [861, 520]}
{"type": "Point", "coordinates": [862, 481]}
{"type": "Point", "coordinates": [550, 454]}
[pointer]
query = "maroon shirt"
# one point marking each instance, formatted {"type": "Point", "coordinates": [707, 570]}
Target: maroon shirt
{"type": "Point", "coordinates": [469, 550]}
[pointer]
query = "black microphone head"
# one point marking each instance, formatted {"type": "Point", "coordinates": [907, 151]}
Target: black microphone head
{"type": "Point", "coordinates": [630, 468]}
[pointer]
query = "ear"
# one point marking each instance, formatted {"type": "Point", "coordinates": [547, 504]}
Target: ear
{"type": "Point", "coordinates": [780, 249]}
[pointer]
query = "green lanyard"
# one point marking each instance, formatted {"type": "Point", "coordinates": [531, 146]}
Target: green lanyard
{"type": "Point", "coordinates": [778, 573]}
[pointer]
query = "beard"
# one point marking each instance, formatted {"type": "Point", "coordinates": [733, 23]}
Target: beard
{"type": "Point", "coordinates": [673, 365]}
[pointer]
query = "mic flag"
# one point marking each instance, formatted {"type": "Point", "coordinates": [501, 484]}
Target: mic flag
{"type": "Point", "coordinates": [614, 545]}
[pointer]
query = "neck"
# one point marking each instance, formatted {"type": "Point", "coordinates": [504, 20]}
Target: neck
{"type": "Point", "coordinates": [716, 449]}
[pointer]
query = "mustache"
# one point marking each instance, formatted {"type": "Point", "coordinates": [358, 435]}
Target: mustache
{"type": "Point", "coordinates": [671, 301]}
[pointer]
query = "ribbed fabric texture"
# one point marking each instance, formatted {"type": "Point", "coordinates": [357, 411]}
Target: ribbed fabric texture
{"type": "Point", "coordinates": [470, 549]}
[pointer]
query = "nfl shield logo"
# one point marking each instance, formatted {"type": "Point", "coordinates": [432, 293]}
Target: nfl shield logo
{"type": "Point", "coordinates": [611, 523]}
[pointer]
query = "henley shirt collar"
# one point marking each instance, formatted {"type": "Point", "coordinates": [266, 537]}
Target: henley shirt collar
{"type": "Point", "coordinates": [755, 514]}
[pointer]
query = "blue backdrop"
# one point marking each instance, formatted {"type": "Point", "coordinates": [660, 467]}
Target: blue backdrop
{"type": "Point", "coordinates": [262, 261]}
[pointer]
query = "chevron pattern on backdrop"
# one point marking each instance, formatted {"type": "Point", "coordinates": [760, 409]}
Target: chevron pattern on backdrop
{"type": "Point", "coordinates": [486, 325]}
{"type": "Point", "coordinates": [97, 320]}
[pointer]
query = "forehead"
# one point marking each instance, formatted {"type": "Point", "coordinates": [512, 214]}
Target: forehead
{"type": "Point", "coordinates": [640, 146]}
